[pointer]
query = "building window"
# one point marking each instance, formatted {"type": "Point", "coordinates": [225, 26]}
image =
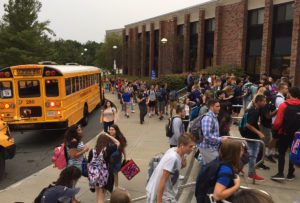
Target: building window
{"type": "Point", "coordinates": [193, 45]}
{"type": "Point", "coordinates": [179, 50]}
{"type": "Point", "coordinates": [209, 42]}
{"type": "Point", "coordinates": [256, 17]}
{"type": "Point", "coordinates": [281, 39]}
{"type": "Point", "coordinates": [254, 41]}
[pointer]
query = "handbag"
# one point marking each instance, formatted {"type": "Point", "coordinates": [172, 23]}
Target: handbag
{"type": "Point", "coordinates": [130, 169]}
{"type": "Point", "coordinates": [84, 167]}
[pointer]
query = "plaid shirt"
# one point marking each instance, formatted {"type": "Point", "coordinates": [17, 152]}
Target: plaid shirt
{"type": "Point", "coordinates": [211, 134]}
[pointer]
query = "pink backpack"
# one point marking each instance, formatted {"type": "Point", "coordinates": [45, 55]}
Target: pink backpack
{"type": "Point", "coordinates": [59, 158]}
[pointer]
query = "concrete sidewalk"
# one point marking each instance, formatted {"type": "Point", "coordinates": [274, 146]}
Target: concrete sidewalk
{"type": "Point", "coordinates": [144, 141]}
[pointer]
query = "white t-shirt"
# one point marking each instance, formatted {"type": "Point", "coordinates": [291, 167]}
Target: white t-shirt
{"type": "Point", "coordinates": [279, 100]}
{"type": "Point", "coordinates": [171, 162]}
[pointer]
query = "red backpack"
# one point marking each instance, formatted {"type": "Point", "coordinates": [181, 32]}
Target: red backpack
{"type": "Point", "coordinates": [59, 158]}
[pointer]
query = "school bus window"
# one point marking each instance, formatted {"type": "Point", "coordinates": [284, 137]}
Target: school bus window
{"type": "Point", "coordinates": [29, 88]}
{"type": "Point", "coordinates": [51, 88]}
{"type": "Point", "coordinates": [90, 78]}
{"type": "Point", "coordinates": [68, 86]}
{"type": "Point", "coordinates": [6, 90]}
{"type": "Point", "coordinates": [83, 82]}
{"type": "Point", "coordinates": [73, 85]}
{"type": "Point", "coordinates": [76, 84]}
{"type": "Point", "coordinates": [87, 81]}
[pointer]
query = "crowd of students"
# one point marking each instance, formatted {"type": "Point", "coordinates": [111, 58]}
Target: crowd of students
{"type": "Point", "coordinates": [215, 102]}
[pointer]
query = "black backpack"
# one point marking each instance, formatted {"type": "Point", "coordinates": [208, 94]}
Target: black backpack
{"type": "Point", "coordinates": [291, 119]}
{"type": "Point", "coordinates": [207, 180]}
{"type": "Point", "coordinates": [169, 127]}
{"type": "Point", "coordinates": [273, 101]}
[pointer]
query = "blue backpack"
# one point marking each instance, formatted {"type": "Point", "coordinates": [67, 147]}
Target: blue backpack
{"type": "Point", "coordinates": [295, 149]}
{"type": "Point", "coordinates": [194, 113]}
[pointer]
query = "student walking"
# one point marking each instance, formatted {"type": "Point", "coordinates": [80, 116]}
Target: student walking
{"type": "Point", "coordinates": [152, 101]}
{"type": "Point", "coordinates": [107, 116]}
{"type": "Point", "coordinates": [116, 157]}
{"type": "Point", "coordinates": [126, 98]}
{"type": "Point", "coordinates": [75, 146]}
{"type": "Point", "coordinates": [163, 183]}
{"type": "Point", "coordinates": [287, 122]}
{"type": "Point", "coordinates": [177, 126]}
{"type": "Point", "coordinates": [252, 131]}
{"type": "Point", "coordinates": [100, 177]}
{"type": "Point", "coordinates": [211, 134]}
{"type": "Point", "coordinates": [142, 100]}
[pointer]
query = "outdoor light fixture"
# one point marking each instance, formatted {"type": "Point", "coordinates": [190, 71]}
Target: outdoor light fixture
{"type": "Point", "coordinates": [164, 40]}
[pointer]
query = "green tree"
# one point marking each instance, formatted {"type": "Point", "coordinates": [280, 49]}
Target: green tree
{"type": "Point", "coordinates": [23, 39]}
{"type": "Point", "coordinates": [106, 54]}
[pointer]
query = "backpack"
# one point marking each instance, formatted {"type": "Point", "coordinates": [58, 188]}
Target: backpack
{"type": "Point", "coordinates": [273, 101]}
{"type": "Point", "coordinates": [97, 170]}
{"type": "Point", "coordinates": [295, 149]}
{"type": "Point", "coordinates": [194, 113]}
{"type": "Point", "coordinates": [153, 164]}
{"type": "Point", "coordinates": [38, 199]}
{"type": "Point", "coordinates": [60, 158]}
{"type": "Point", "coordinates": [243, 124]}
{"type": "Point", "coordinates": [173, 95]}
{"type": "Point", "coordinates": [207, 179]}
{"type": "Point", "coordinates": [169, 127]}
{"type": "Point", "coordinates": [159, 95]}
{"type": "Point", "coordinates": [196, 130]}
{"type": "Point", "coordinates": [291, 119]}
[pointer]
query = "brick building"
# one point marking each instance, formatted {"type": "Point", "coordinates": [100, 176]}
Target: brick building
{"type": "Point", "coordinates": [260, 36]}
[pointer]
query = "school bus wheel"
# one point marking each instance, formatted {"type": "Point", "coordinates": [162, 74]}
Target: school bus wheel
{"type": "Point", "coordinates": [2, 162]}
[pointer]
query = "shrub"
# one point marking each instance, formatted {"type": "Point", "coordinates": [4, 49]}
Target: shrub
{"type": "Point", "coordinates": [223, 70]}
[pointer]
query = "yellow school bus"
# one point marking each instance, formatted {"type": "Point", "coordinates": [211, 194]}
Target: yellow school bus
{"type": "Point", "coordinates": [48, 96]}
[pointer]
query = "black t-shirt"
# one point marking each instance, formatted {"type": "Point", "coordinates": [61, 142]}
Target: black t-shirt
{"type": "Point", "coordinates": [143, 102]}
{"type": "Point", "coordinates": [252, 119]}
{"type": "Point", "coordinates": [266, 122]}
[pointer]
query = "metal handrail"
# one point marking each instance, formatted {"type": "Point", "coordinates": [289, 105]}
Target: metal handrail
{"type": "Point", "coordinates": [181, 90]}
{"type": "Point", "coordinates": [263, 152]}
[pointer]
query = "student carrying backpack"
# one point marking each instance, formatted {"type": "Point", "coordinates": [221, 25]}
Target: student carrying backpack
{"type": "Point", "coordinates": [207, 180]}
{"type": "Point", "coordinates": [169, 127]}
{"type": "Point", "coordinates": [243, 125]}
{"type": "Point", "coordinates": [218, 176]}
{"type": "Point", "coordinates": [291, 119]}
{"type": "Point", "coordinates": [60, 157]}
{"type": "Point", "coordinates": [195, 128]}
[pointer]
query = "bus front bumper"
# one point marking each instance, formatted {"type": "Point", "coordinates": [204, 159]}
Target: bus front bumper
{"type": "Point", "coordinates": [38, 126]}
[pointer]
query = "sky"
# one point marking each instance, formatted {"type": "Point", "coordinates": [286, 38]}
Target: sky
{"type": "Point", "coordinates": [85, 20]}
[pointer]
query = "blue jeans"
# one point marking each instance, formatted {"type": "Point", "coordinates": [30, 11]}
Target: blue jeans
{"type": "Point", "coordinates": [253, 149]}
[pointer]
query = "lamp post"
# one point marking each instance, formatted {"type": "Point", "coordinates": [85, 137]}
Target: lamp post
{"type": "Point", "coordinates": [115, 63]}
{"type": "Point", "coordinates": [83, 54]}
{"type": "Point", "coordinates": [163, 41]}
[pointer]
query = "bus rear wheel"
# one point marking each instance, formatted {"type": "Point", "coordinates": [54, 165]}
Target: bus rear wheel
{"type": "Point", "coordinates": [2, 163]}
{"type": "Point", "coordinates": [85, 119]}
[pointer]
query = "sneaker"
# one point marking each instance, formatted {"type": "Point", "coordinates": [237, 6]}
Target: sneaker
{"type": "Point", "coordinates": [132, 111]}
{"type": "Point", "coordinates": [271, 159]}
{"type": "Point", "coordinates": [290, 177]}
{"type": "Point", "coordinates": [263, 166]}
{"type": "Point", "coordinates": [181, 177]}
{"type": "Point", "coordinates": [256, 177]}
{"type": "Point", "coordinates": [278, 177]}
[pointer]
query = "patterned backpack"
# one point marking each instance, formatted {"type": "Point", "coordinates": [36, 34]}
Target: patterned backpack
{"type": "Point", "coordinates": [97, 170]}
